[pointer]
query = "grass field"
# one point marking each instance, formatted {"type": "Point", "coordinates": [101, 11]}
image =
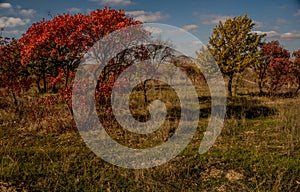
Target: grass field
{"type": "Point", "coordinates": [258, 150]}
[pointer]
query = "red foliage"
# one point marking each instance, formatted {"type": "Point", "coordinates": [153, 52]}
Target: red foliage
{"type": "Point", "coordinates": [273, 50]}
{"type": "Point", "coordinates": [59, 44]}
{"type": "Point", "coordinates": [296, 55]}
{"type": "Point", "coordinates": [280, 72]}
{"type": "Point", "coordinates": [279, 68]}
{"type": "Point", "coordinates": [14, 78]}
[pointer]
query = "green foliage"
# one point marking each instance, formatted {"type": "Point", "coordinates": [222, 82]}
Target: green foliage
{"type": "Point", "coordinates": [234, 46]}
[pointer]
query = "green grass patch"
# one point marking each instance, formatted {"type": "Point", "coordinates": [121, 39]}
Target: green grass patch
{"type": "Point", "coordinates": [258, 150]}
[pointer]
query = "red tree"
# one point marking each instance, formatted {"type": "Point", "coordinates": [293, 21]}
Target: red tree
{"type": "Point", "coordinates": [296, 55]}
{"type": "Point", "coordinates": [14, 78]}
{"type": "Point", "coordinates": [276, 68]}
{"type": "Point", "coordinates": [280, 73]}
{"type": "Point", "coordinates": [61, 42]}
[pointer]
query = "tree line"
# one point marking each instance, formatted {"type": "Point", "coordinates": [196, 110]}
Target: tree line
{"type": "Point", "coordinates": [235, 47]}
{"type": "Point", "coordinates": [48, 54]}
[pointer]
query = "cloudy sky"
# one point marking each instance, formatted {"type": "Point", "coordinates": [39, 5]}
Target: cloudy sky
{"type": "Point", "coordinates": [279, 19]}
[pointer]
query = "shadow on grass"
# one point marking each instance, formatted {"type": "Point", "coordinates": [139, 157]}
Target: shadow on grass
{"type": "Point", "coordinates": [288, 94]}
{"type": "Point", "coordinates": [239, 107]}
{"type": "Point", "coordinates": [252, 112]}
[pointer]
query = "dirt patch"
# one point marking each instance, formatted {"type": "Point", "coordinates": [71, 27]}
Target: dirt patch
{"type": "Point", "coordinates": [233, 176]}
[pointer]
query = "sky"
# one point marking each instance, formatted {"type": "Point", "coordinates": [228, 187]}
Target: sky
{"type": "Point", "coordinates": [279, 19]}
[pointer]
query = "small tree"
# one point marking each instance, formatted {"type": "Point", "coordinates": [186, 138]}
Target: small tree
{"type": "Point", "coordinates": [269, 51]}
{"type": "Point", "coordinates": [275, 69]}
{"type": "Point", "coordinates": [14, 78]}
{"type": "Point", "coordinates": [234, 46]}
{"type": "Point", "coordinates": [279, 74]}
{"type": "Point", "coordinates": [296, 55]}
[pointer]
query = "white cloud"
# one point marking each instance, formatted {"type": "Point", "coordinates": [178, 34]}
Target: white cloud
{"type": "Point", "coordinates": [297, 13]}
{"type": "Point", "coordinates": [12, 22]}
{"type": "Point", "coordinates": [281, 21]}
{"type": "Point", "coordinates": [5, 5]}
{"type": "Point", "coordinates": [113, 2]}
{"type": "Point", "coordinates": [276, 27]}
{"type": "Point", "coordinates": [258, 24]}
{"type": "Point", "coordinates": [27, 12]}
{"type": "Point", "coordinates": [190, 27]}
{"type": "Point", "coordinates": [285, 36]}
{"type": "Point", "coordinates": [290, 35]}
{"type": "Point", "coordinates": [153, 30]}
{"type": "Point", "coordinates": [191, 44]}
{"type": "Point", "coordinates": [269, 34]}
{"type": "Point", "coordinates": [13, 32]}
{"type": "Point", "coordinates": [74, 10]}
{"type": "Point", "coordinates": [135, 13]}
{"type": "Point", "coordinates": [146, 16]}
{"type": "Point", "coordinates": [215, 19]}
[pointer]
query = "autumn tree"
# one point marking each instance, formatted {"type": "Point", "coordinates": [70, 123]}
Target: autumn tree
{"type": "Point", "coordinates": [154, 52]}
{"type": "Point", "coordinates": [14, 78]}
{"type": "Point", "coordinates": [60, 43]}
{"type": "Point", "coordinates": [234, 46]}
{"type": "Point", "coordinates": [274, 66]}
{"type": "Point", "coordinates": [296, 55]}
{"type": "Point", "coordinates": [270, 51]}
{"type": "Point", "coordinates": [279, 73]}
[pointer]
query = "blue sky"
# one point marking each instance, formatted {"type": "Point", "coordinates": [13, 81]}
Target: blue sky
{"type": "Point", "coordinates": [280, 20]}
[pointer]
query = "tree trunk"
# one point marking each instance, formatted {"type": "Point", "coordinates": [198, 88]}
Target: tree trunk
{"type": "Point", "coordinates": [45, 82]}
{"type": "Point", "coordinates": [54, 88]}
{"type": "Point", "coordinates": [15, 99]}
{"type": "Point", "coordinates": [262, 75]}
{"type": "Point", "coordinates": [67, 77]}
{"type": "Point", "coordinates": [145, 92]}
{"type": "Point", "coordinates": [260, 87]}
{"type": "Point", "coordinates": [296, 92]}
{"type": "Point", "coordinates": [230, 85]}
{"type": "Point", "coordinates": [38, 83]}
{"type": "Point", "coordinates": [298, 88]}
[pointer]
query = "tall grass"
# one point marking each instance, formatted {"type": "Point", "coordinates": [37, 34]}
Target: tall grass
{"type": "Point", "coordinates": [258, 149]}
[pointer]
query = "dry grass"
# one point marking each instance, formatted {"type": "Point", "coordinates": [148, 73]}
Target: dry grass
{"type": "Point", "coordinates": [258, 150]}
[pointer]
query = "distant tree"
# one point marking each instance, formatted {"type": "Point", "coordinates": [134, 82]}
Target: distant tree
{"type": "Point", "coordinates": [280, 73]}
{"type": "Point", "coordinates": [156, 53]}
{"type": "Point", "coordinates": [276, 69]}
{"type": "Point", "coordinates": [205, 60]}
{"type": "Point", "coordinates": [270, 51]}
{"type": "Point", "coordinates": [296, 55]}
{"type": "Point", "coordinates": [234, 46]}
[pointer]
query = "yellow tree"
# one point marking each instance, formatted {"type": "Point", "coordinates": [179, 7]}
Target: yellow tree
{"type": "Point", "coordinates": [234, 46]}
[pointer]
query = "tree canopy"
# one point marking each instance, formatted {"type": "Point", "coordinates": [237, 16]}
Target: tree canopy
{"type": "Point", "coordinates": [60, 43]}
{"type": "Point", "coordinates": [234, 46]}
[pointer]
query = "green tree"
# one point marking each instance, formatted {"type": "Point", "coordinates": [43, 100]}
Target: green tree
{"type": "Point", "coordinates": [234, 46]}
